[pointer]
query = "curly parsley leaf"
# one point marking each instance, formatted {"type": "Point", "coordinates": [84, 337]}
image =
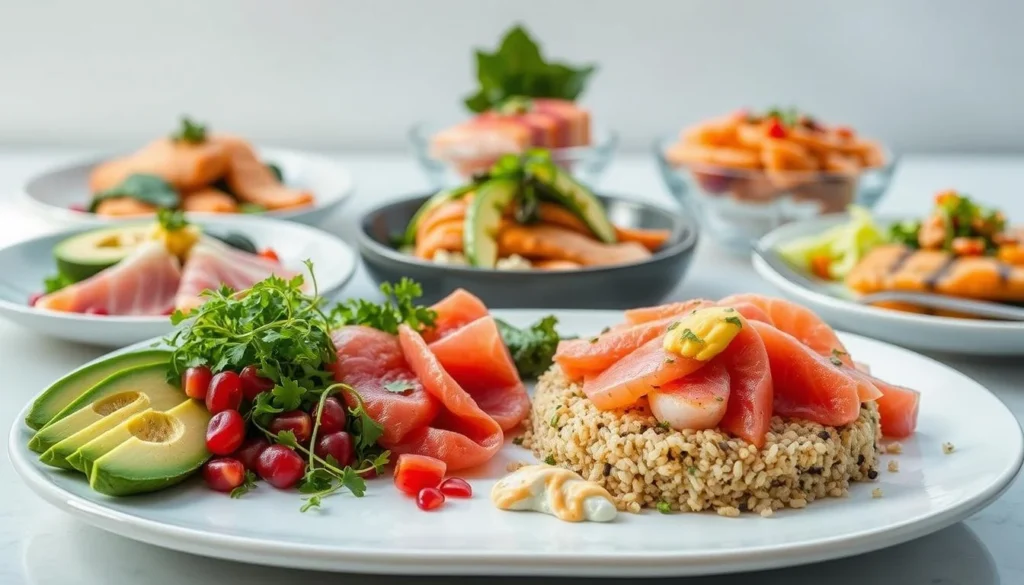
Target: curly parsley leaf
{"type": "Point", "coordinates": [399, 307]}
{"type": "Point", "coordinates": [532, 348]}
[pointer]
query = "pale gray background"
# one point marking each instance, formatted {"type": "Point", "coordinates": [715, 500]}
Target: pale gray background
{"type": "Point", "coordinates": [925, 75]}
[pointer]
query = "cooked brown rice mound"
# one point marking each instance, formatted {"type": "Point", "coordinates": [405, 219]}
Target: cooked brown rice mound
{"type": "Point", "coordinates": [642, 464]}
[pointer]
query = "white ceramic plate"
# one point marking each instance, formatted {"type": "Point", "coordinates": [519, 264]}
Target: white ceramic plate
{"type": "Point", "coordinates": [27, 263]}
{"type": "Point", "coordinates": [384, 532]}
{"type": "Point", "coordinates": [53, 192]}
{"type": "Point", "coordinates": [922, 332]}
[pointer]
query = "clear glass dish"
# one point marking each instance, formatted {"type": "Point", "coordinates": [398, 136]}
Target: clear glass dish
{"type": "Point", "coordinates": [586, 163]}
{"type": "Point", "coordinates": [738, 206]}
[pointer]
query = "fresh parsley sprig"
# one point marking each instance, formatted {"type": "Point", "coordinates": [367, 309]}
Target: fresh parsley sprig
{"type": "Point", "coordinates": [399, 307]}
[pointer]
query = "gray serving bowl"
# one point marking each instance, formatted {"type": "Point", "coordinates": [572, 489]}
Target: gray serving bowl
{"type": "Point", "coordinates": [607, 287]}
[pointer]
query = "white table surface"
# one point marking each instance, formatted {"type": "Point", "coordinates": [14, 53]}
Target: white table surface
{"type": "Point", "coordinates": [40, 545]}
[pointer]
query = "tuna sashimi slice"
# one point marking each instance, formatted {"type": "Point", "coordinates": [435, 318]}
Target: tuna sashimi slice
{"type": "Point", "coordinates": [456, 310]}
{"type": "Point", "coordinates": [462, 435]}
{"type": "Point", "coordinates": [808, 385]}
{"type": "Point", "coordinates": [751, 386]}
{"type": "Point", "coordinates": [212, 264]}
{"type": "Point", "coordinates": [798, 321]}
{"type": "Point", "coordinates": [144, 283]}
{"type": "Point", "coordinates": [897, 407]}
{"type": "Point", "coordinates": [697, 401]}
{"type": "Point", "coordinates": [637, 374]}
{"type": "Point", "coordinates": [476, 357]}
{"type": "Point", "coordinates": [372, 362]}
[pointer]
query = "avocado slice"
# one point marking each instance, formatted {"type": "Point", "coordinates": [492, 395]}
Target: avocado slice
{"type": "Point", "coordinates": [150, 380]}
{"type": "Point", "coordinates": [83, 255]}
{"type": "Point", "coordinates": [409, 238]}
{"type": "Point", "coordinates": [114, 410]}
{"type": "Point", "coordinates": [559, 187]}
{"type": "Point", "coordinates": [163, 449]}
{"type": "Point", "coordinates": [483, 219]}
{"type": "Point", "coordinates": [87, 454]}
{"type": "Point", "coordinates": [64, 391]}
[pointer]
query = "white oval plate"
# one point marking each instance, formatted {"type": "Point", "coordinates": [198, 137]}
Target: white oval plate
{"type": "Point", "coordinates": [53, 192]}
{"type": "Point", "coordinates": [922, 332]}
{"type": "Point", "coordinates": [27, 263]}
{"type": "Point", "coordinates": [384, 532]}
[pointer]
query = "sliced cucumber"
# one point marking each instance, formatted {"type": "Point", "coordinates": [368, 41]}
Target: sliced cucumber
{"type": "Point", "coordinates": [559, 187]}
{"type": "Point", "coordinates": [444, 196]}
{"type": "Point", "coordinates": [483, 218]}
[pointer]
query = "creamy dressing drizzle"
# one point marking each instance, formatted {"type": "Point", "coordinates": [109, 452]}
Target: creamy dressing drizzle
{"type": "Point", "coordinates": [555, 491]}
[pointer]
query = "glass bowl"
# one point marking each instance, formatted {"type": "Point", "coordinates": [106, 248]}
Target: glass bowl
{"type": "Point", "coordinates": [738, 206]}
{"type": "Point", "coordinates": [586, 163]}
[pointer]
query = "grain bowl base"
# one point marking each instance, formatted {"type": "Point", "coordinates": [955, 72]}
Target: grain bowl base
{"type": "Point", "coordinates": [644, 465]}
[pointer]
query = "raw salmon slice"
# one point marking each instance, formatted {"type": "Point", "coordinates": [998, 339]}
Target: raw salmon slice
{"type": "Point", "coordinates": [455, 311]}
{"type": "Point", "coordinates": [647, 314]}
{"type": "Point", "coordinates": [897, 407]}
{"type": "Point", "coordinates": [800, 322]}
{"type": "Point", "coordinates": [637, 374]}
{"type": "Point", "coordinates": [462, 435]}
{"type": "Point", "coordinates": [144, 283]}
{"type": "Point", "coordinates": [591, 356]}
{"type": "Point", "coordinates": [372, 362]}
{"type": "Point", "coordinates": [697, 401]}
{"type": "Point", "coordinates": [212, 264]}
{"type": "Point", "coordinates": [478, 360]}
{"type": "Point", "coordinates": [808, 385]}
{"type": "Point", "coordinates": [751, 386]}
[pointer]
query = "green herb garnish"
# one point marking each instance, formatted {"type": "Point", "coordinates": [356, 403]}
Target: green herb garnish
{"type": "Point", "coordinates": [664, 425]}
{"type": "Point", "coordinates": [276, 171]}
{"type": "Point", "coordinates": [149, 189]}
{"type": "Point", "coordinates": [532, 348]}
{"type": "Point", "coordinates": [786, 116]}
{"type": "Point", "coordinates": [664, 507]}
{"type": "Point", "coordinates": [673, 325]}
{"type": "Point", "coordinates": [171, 220]}
{"type": "Point", "coordinates": [52, 284]}
{"type": "Point", "coordinates": [688, 334]}
{"type": "Point", "coordinates": [517, 70]}
{"type": "Point", "coordinates": [248, 484]}
{"type": "Point", "coordinates": [190, 131]}
{"type": "Point", "coordinates": [906, 233]}
{"type": "Point", "coordinates": [517, 441]}
{"type": "Point", "coordinates": [735, 321]}
{"type": "Point", "coordinates": [550, 460]}
{"type": "Point", "coordinates": [554, 420]}
{"type": "Point", "coordinates": [398, 307]}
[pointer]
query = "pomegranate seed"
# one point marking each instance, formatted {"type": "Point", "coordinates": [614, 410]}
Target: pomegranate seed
{"type": "Point", "coordinates": [456, 487]}
{"type": "Point", "coordinates": [225, 393]}
{"type": "Point", "coordinates": [337, 445]}
{"type": "Point", "coordinates": [225, 433]}
{"type": "Point", "coordinates": [270, 254]}
{"type": "Point", "coordinates": [295, 421]}
{"type": "Point", "coordinates": [333, 418]}
{"type": "Point", "coordinates": [96, 311]}
{"type": "Point", "coordinates": [34, 298]}
{"type": "Point", "coordinates": [776, 129]}
{"type": "Point", "coordinates": [223, 474]}
{"type": "Point", "coordinates": [196, 382]}
{"type": "Point", "coordinates": [250, 451]}
{"type": "Point", "coordinates": [253, 384]}
{"type": "Point", "coordinates": [429, 499]}
{"type": "Point", "coordinates": [281, 467]}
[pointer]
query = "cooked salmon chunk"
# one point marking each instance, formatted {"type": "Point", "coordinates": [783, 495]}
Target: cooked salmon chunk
{"type": "Point", "coordinates": [186, 166]}
{"type": "Point", "coordinates": [251, 180]}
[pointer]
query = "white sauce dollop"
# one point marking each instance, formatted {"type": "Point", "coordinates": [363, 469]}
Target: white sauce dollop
{"type": "Point", "coordinates": [555, 491]}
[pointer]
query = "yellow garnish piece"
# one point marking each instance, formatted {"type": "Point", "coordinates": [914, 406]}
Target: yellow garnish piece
{"type": "Point", "coordinates": [704, 333]}
{"type": "Point", "coordinates": [179, 241]}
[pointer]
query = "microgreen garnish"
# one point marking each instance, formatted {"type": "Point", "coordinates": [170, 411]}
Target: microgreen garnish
{"type": "Point", "coordinates": [190, 131]}
{"type": "Point", "coordinates": [170, 219]}
{"type": "Point", "coordinates": [550, 460]}
{"type": "Point", "coordinates": [399, 387]}
{"type": "Point", "coordinates": [248, 484]}
{"type": "Point", "coordinates": [56, 282]}
{"type": "Point", "coordinates": [398, 307]}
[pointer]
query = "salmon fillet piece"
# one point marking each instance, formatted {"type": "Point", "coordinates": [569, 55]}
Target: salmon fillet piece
{"type": "Point", "coordinates": [251, 180]}
{"type": "Point", "coordinates": [209, 200]}
{"type": "Point", "coordinates": [186, 166]}
{"type": "Point", "coordinates": [545, 242]}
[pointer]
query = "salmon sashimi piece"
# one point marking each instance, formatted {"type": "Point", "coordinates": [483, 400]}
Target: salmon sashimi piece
{"type": "Point", "coordinates": [558, 215]}
{"type": "Point", "coordinates": [458, 309]}
{"type": "Point", "coordinates": [442, 236]}
{"type": "Point", "coordinates": [371, 361]}
{"type": "Point", "coordinates": [897, 408]}
{"type": "Point", "coordinates": [251, 180]}
{"type": "Point", "coordinates": [809, 386]}
{"type": "Point", "coordinates": [476, 358]}
{"type": "Point", "coordinates": [751, 386]}
{"type": "Point", "coordinates": [212, 264]}
{"type": "Point", "coordinates": [751, 312]}
{"type": "Point", "coordinates": [697, 401]}
{"type": "Point", "coordinates": [582, 357]}
{"type": "Point", "coordinates": [448, 211]}
{"type": "Point", "coordinates": [637, 374]}
{"type": "Point", "coordinates": [546, 242]}
{"type": "Point", "coordinates": [462, 435]}
{"type": "Point", "coordinates": [209, 200]}
{"type": "Point", "coordinates": [483, 137]}
{"type": "Point", "coordinates": [646, 314]}
{"type": "Point", "coordinates": [798, 321]}
{"type": "Point", "coordinates": [651, 239]}
{"type": "Point", "coordinates": [144, 283]}
{"type": "Point", "coordinates": [124, 207]}
{"type": "Point", "coordinates": [186, 166]}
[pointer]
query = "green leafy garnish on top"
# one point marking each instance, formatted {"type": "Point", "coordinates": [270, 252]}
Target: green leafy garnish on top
{"type": "Point", "coordinates": [149, 189]}
{"type": "Point", "coordinates": [399, 307]}
{"type": "Point", "coordinates": [171, 220]}
{"type": "Point", "coordinates": [517, 69]}
{"type": "Point", "coordinates": [533, 347]}
{"type": "Point", "coordinates": [190, 131]}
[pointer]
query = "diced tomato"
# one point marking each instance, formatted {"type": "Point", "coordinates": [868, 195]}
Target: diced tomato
{"type": "Point", "coordinates": [820, 266]}
{"type": "Point", "coordinates": [968, 246]}
{"type": "Point", "coordinates": [417, 472]}
{"type": "Point", "coordinates": [270, 254]}
{"type": "Point", "coordinates": [776, 129]}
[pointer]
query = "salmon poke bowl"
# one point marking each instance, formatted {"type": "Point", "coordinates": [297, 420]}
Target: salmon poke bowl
{"type": "Point", "coordinates": [119, 284]}
{"type": "Point", "coordinates": [749, 172]}
{"type": "Point", "coordinates": [196, 171]}
{"type": "Point", "coordinates": [528, 234]}
{"type": "Point", "coordinates": [522, 101]}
